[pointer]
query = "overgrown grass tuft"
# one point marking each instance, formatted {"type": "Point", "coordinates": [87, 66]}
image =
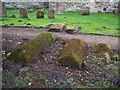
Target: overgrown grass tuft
{"type": "Point", "coordinates": [95, 23]}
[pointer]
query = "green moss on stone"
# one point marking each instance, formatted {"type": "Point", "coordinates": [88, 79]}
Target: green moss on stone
{"type": "Point", "coordinates": [73, 53]}
{"type": "Point", "coordinates": [29, 50]}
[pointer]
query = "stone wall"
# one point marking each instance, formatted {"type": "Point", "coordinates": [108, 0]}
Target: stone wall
{"type": "Point", "coordinates": [28, 5]}
{"type": "Point", "coordinates": [69, 6]}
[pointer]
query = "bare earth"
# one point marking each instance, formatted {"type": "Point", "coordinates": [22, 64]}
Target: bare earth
{"type": "Point", "coordinates": [90, 39]}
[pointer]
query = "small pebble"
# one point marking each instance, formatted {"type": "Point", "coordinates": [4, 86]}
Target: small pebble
{"type": "Point", "coordinates": [66, 67]}
{"type": "Point", "coordinates": [19, 43]}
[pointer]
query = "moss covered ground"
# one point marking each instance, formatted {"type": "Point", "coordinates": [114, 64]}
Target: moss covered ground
{"type": "Point", "coordinates": [95, 23]}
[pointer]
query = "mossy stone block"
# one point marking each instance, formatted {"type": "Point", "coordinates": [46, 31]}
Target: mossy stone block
{"type": "Point", "coordinates": [73, 53]}
{"type": "Point", "coordinates": [103, 51]}
{"type": "Point", "coordinates": [57, 27]}
{"type": "Point", "coordinates": [72, 28]}
{"type": "Point", "coordinates": [27, 52]}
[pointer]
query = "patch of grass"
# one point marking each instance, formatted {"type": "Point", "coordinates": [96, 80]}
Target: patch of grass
{"type": "Point", "coordinates": [91, 24]}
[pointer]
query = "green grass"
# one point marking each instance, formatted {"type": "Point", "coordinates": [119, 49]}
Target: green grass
{"type": "Point", "coordinates": [91, 24]}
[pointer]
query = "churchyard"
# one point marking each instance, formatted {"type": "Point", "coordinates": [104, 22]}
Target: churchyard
{"type": "Point", "coordinates": [74, 49]}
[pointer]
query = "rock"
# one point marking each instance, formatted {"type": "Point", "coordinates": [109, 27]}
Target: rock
{"type": "Point", "coordinates": [28, 51]}
{"type": "Point", "coordinates": [1, 19]}
{"type": "Point", "coordinates": [73, 53]}
{"type": "Point", "coordinates": [72, 28]}
{"type": "Point", "coordinates": [51, 14]}
{"type": "Point", "coordinates": [13, 16]}
{"type": "Point", "coordinates": [23, 13]}
{"type": "Point", "coordinates": [30, 11]}
{"type": "Point", "coordinates": [29, 24]}
{"type": "Point", "coordinates": [19, 20]}
{"type": "Point", "coordinates": [12, 24]}
{"type": "Point", "coordinates": [56, 27]}
{"type": "Point", "coordinates": [86, 11]}
{"type": "Point", "coordinates": [103, 51]}
{"type": "Point", "coordinates": [40, 14]}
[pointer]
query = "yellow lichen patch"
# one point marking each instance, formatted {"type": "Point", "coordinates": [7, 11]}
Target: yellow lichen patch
{"type": "Point", "coordinates": [27, 52]}
{"type": "Point", "coordinates": [73, 53]}
{"type": "Point", "coordinates": [103, 51]}
{"type": "Point", "coordinates": [72, 28]}
{"type": "Point", "coordinates": [57, 27]}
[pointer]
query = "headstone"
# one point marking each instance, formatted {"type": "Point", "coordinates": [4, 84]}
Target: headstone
{"type": "Point", "coordinates": [3, 10]}
{"type": "Point", "coordinates": [40, 14]}
{"type": "Point", "coordinates": [51, 14]}
{"type": "Point", "coordinates": [28, 51]}
{"type": "Point", "coordinates": [57, 27]}
{"type": "Point", "coordinates": [72, 29]}
{"type": "Point", "coordinates": [86, 11]}
{"type": "Point", "coordinates": [73, 53]}
{"type": "Point", "coordinates": [23, 13]}
{"type": "Point", "coordinates": [103, 51]}
{"type": "Point", "coordinates": [60, 8]}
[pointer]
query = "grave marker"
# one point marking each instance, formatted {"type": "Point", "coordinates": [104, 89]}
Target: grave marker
{"type": "Point", "coordinates": [40, 14]}
{"type": "Point", "coordinates": [51, 14]}
{"type": "Point", "coordinates": [23, 13]}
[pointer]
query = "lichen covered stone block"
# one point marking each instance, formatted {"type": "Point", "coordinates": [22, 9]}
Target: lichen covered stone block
{"type": "Point", "coordinates": [57, 27]}
{"type": "Point", "coordinates": [103, 51]}
{"type": "Point", "coordinates": [51, 14]}
{"type": "Point", "coordinates": [72, 28]}
{"type": "Point", "coordinates": [27, 52]}
{"type": "Point", "coordinates": [73, 53]}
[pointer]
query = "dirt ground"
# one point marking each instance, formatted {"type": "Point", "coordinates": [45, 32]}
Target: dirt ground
{"type": "Point", "coordinates": [90, 39]}
{"type": "Point", "coordinates": [46, 72]}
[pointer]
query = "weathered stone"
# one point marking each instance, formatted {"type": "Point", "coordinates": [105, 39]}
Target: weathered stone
{"type": "Point", "coordinates": [103, 51]}
{"type": "Point", "coordinates": [72, 28]}
{"type": "Point", "coordinates": [29, 24]}
{"type": "Point", "coordinates": [51, 14]}
{"type": "Point", "coordinates": [40, 14]}
{"type": "Point", "coordinates": [57, 27]}
{"type": "Point", "coordinates": [3, 13]}
{"type": "Point", "coordinates": [73, 53]}
{"type": "Point", "coordinates": [19, 20]}
{"type": "Point", "coordinates": [23, 13]}
{"type": "Point", "coordinates": [86, 11]}
{"type": "Point", "coordinates": [13, 16]}
{"type": "Point", "coordinates": [27, 52]}
{"type": "Point", "coordinates": [1, 19]}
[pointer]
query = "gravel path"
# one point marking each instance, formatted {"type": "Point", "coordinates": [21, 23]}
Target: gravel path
{"type": "Point", "coordinates": [90, 39]}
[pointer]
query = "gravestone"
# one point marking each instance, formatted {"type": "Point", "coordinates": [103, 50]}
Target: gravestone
{"type": "Point", "coordinates": [57, 27]}
{"type": "Point", "coordinates": [86, 11]}
{"type": "Point", "coordinates": [23, 13]}
{"type": "Point", "coordinates": [40, 14]}
{"type": "Point", "coordinates": [28, 51]}
{"type": "Point", "coordinates": [60, 8]}
{"type": "Point", "coordinates": [103, 51]}
{"type": "Point", "coordinates": [73, 53]}
{"type": "Point", "coordinates": [51, 14]}
{"type": "Point", "coordinates": [3, 9]}
{"type": "Point", "coordinates": [72, 29]}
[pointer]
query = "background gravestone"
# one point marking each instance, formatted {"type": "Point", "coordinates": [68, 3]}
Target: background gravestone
{"type": "Point", "coordinates": [60, 8]}
{"type": "Point", "coordinates": [39, 14]}
{"type": "Point", "coordinates": [23, 13]}
{"type": "Point", "coordinates": [51, 14]}
{"type": "Point", "coordinates": [3, 12]}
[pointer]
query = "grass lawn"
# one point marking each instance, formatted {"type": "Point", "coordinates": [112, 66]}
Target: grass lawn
{"type": "Point", "coordinates": [91, 24]}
